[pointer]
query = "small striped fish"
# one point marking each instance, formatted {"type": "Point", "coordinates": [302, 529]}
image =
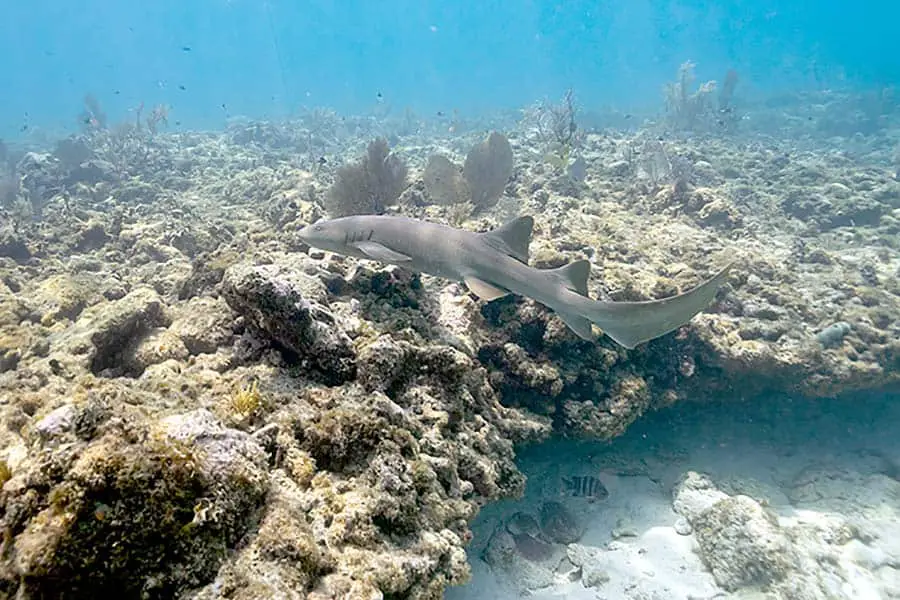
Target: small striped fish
{"type": "Point", "coordinates": [586, 487]}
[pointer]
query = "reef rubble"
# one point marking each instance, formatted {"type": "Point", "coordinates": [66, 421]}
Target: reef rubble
{"type": "Point", "coordinates": [194, 404]}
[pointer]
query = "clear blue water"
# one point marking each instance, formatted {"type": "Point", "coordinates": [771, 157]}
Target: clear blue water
{"type": "Point", "coordinates": [262, 58]}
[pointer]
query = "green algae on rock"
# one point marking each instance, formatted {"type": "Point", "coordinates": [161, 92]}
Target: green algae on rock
{"type": "Point", "coordinates": [139, 510]}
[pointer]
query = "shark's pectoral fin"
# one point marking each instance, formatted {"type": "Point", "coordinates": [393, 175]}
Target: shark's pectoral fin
{"type": "Point", "coordinates": [580, 325]}
{"type": "Point", "coordinates": [484, 290]}
{"type": "Point", "coordinates": [377, 251]}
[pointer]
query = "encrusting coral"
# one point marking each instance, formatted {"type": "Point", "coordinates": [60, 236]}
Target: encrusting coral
{"type": "Point", "coordinates": [195, 404]}
{"type": "Point", "coordinates": [183, 492]}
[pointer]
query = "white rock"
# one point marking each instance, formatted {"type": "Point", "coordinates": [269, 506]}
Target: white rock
{"type": "Point", "coordinates": [683, 526]}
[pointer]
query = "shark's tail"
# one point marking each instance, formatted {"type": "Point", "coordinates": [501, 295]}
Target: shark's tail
{"type": "Point", "coordinates": [631, 323]}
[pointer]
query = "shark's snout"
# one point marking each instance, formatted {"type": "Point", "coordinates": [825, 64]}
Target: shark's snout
{"type": "Point", "coordinates": [312, 233]}
{"type": "Point", "coordinates": [324, 236]}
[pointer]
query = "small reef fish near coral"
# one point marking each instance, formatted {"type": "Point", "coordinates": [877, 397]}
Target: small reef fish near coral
{"type": "Point", "coordinates": [586, 486]}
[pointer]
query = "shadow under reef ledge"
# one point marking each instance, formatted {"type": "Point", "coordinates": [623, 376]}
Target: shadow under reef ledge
{"type": "Point", "coordinates": [596, 390]}
{"type": "Point", "coordinates": [774, 498]}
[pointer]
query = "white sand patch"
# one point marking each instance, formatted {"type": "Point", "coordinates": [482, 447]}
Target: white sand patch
{"type": "Point", "coordinates": [826, 473]}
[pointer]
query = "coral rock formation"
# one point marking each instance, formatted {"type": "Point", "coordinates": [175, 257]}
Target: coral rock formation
{"type": "Point", "coordinates": [194, 403]}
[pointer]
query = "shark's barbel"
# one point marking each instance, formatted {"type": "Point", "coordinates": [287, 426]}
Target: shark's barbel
{"type": "Point", "coordinates": [495, 263]}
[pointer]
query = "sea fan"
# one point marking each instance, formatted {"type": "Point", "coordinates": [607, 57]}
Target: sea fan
{"type": "Point", "coordinates": [367, 186]}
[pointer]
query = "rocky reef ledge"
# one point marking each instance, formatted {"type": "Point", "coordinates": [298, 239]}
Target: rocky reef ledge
{"type": "Point", "coordinates": [196, 405]}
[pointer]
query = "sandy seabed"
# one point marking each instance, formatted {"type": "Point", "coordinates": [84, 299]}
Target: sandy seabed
{"type": "Point", "coordinates": [817, 467]}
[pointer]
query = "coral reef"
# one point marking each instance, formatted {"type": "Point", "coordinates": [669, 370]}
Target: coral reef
{"type": "Point", "coordinates": [280, 421]}
{"type": "Point", "coordinates": [285, 304]}
{"type": "Point", "coordinates": [114, 505]}
{"type": "Point", "coordinates": [688, 109]}
{"type": "Point", "coordinates": [444, 181]}
{"type": "Point", "coordinates": [554, 129]}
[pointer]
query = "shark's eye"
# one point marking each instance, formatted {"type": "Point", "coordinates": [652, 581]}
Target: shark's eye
{"type": "Point", "coordinates": [318, 228]}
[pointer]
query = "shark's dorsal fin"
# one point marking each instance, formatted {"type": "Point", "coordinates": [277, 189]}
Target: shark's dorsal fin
{"type": "Point", "coordinates": [512, 238]}
{"type": "Point", "coordinates": [575, 276]}
{"type": "Point", "coordinates": [377, 251]}
{"type": "Point", "coordinates": [484, 290]}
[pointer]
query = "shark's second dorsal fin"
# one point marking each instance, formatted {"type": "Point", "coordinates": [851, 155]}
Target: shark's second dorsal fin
{"type": "Point", "coordinates": [575, 276]}
{"type": "Point", "coordinates": [512, 238]}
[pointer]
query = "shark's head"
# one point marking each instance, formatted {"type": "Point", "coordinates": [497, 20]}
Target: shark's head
{"type": "Point", "coordinates": [335, 235]}
{"type": "Point", "coordinates": [325, 235]}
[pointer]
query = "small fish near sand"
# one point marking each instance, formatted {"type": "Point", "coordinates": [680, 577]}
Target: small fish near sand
{"type": "Point", "coordinates": [558, 524]}
{"type": "Point", "coordinates": [522, 523]}
{"type": "Point", "coordinates": [585, 487]}
{"type": "Point", "coordinates": [531, 548]}
{"type": "Point", "coordinates": [495, 263]}
{"type": "Point", "coordinates": [526, 534]}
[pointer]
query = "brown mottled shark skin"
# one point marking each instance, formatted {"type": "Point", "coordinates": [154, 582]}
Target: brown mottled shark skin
{"type": "Point", "coordinates": [495, 263]}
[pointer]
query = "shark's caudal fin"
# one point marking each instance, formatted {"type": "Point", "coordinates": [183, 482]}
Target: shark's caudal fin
{"type": "Point", "coordinates": [631, 323]}
{"type": "Point", "coordinates": [512, 238]}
